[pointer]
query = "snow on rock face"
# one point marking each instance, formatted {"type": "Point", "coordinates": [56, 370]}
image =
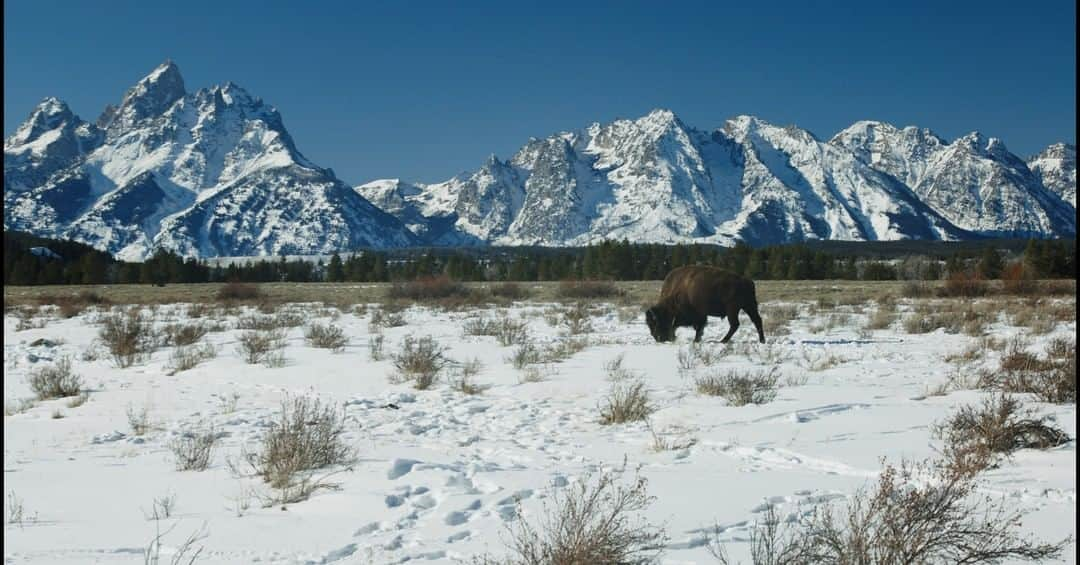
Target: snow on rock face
{"type": "Point", "coordinates": [166, 159]}
{"type": "Point", "coordinates": [654, 179]}
{"type": "Point", "coordinates": [1055, 167]}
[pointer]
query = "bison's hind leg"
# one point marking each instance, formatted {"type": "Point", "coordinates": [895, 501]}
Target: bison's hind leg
{"type": "Point", "coordinates": [733, 320]}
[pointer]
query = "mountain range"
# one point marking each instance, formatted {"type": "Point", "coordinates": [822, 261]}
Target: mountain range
{"type": "Point", "coordinates": [215, 173]}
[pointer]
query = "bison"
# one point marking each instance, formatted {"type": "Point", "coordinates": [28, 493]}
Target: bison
{"type": "Point", "coordinates": [691, 294]}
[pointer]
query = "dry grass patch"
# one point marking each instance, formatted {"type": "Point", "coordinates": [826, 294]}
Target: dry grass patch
{"type": "Point", "coordinates": [307, 435]}
{"type": "Point", "coordinates": [193, 450]}
{"type": "Point", "coordinates": [419, 361]}
{"type": "Point", "coordinates": [915, 513]}
{"type": "Point", "coordinates": [129, 337]}
{"type": "Point", "coordinates": [55, 381]}
{"type": "Point", "coordinates": [326, 336]}
{"type": "Point", "coordinates": [740, 388]}
{"type": "Point", "coordinates": [186, 357]}
{"type": "Point", "coordinates": [262, 346]}
{"type": "Point", "coordinates": [510, 291]}
{"type": "Point", "coordinates": [976, 436]}
{"type": "Point", "coordinates": [626, 401]}
{"type": "Point", "coordinates": [238, 292]}
{"type": "Point", "coordinates": [183, 334]}
{"type": "Point", "coordinates": [590, 522]}
{"type": "Point", "coordinates": [588, 289]}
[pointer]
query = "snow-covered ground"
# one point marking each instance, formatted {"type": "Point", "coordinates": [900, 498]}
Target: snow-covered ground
{"type": "Point", "coordinates": [436, 478]}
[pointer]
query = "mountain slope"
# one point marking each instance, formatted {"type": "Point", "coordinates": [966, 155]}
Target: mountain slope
{"type": "Point", "coordinates": [1055, 167]}
{"type": "Point", "coordinates": [208, 173]}
{"type": "Point", "coordinates": [654, 179]}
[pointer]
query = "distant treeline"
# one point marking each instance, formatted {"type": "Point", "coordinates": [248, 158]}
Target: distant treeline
{"type": "Point", "coordinates": [82, 264]}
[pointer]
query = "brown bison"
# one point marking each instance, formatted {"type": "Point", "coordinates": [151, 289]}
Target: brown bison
{"type": "Point", "coordinates": [691, 294]}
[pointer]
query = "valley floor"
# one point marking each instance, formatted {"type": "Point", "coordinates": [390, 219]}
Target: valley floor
{"type": "Point", "coordinates": [438, 472]}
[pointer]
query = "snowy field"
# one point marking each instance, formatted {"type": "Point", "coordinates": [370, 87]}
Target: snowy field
{"type": "Point", "coordinates": [437, 472]}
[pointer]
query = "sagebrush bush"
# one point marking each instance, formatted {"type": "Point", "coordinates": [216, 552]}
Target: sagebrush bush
{"type": "Point", "coordinates": [587, 523]}
{"type": "Point", "coordinates": [963, 284]}
{"type": "Point", "coordinates": [740, 388]}
{"type": "Point", "coordinates": [576, 319]}
{"type": "Point", "coordinates": [194, 449]}
{"type": "Point", "coordinates": [129, 336]}
{"type": "Point", "coordinates": [384, 318]}
{"type": "Point", "coordinates": [627, 401]}
{"type": "Point", "coordinates": [183, 334]}
{"type": "Point", "coordinates": [915, 513]}
{"type": "Point", "coordinates": [262, 346]}
{"type": "Point", "coordinates": [976, 436]}
{"type": "Point", "coordinates": [419, 361]}
{"type": "Point", "coordinates": [187, 357]}
{"type": "Point", "coordinates": [55, 381]}
{"type": "Point", "coordinates": [307, 435]}
{"type": "Point", "coordinates": [326, 336]}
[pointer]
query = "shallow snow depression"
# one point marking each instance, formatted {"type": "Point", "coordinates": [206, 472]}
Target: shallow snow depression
{"type": "Point", "coordinates": [438, 474]}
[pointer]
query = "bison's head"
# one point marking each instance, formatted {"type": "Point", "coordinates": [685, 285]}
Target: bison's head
{"type": "Point", "coordinates": [661, 323]}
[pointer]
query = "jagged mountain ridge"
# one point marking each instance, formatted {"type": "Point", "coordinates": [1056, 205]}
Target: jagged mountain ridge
{"type": "Point", "coordinates": [208, 173]}
{"type": "Point", "coordinates": [215, 173]}
{"type": "Point", "coordinates": [655, 179]}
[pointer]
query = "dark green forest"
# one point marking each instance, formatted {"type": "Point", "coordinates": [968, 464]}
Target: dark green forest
{"type": "Point", "coordinates": [81, 264]}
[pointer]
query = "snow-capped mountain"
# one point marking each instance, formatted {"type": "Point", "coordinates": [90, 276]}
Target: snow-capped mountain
{"type": "Point", "coordinates": [208, 173]}
{"type": "Point", "coordinates": [215, 173]}
{"type": "Point", "coordinates": [1055, 166]}
{"type": "Point", "coordinates": [655, 179]}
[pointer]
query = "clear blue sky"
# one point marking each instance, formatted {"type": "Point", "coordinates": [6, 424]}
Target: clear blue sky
{"type": "Point", "coordinates": [424, 90]}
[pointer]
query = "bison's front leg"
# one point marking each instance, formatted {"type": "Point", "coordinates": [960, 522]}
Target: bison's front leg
{"type": "Point", "coordinates": [733, 320]}
{"type": "Point", "coordinates": [699, 329]}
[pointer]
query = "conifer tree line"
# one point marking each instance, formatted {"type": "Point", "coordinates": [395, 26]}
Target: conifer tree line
{"type": "Point", "coordinates": [82, 264]}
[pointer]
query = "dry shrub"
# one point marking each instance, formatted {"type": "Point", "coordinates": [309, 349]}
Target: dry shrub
{"type": "Point", "coordinates": [916, 513]}
{"type": "Point", "coordinates": [975, 436]}
{"type": "Point", "coordinates": [1018, 279]}
{"type": "Point", "coordinates": [740, 388]}
{"type": "Point", "coordinates": [326, 336]}
{"type": "Point", "coordinates": [306, 436]}
{"type": "Point", "coordinates": [577, 290]}
{"type": "Point", "coordinates": [776, 318]}
{"type": "Point", "coordinates": [238, 291]}
{"type": "Point", "coordinates": [463, 382]}
{"type": "Point", "coordinates": [509, 331]}
{"type": "Point", "coordinates": [375, 347]}
{"type": "Point", "coordinates": [187, 357]}
{"type": "Point", "coordinates": [386, 318]}
{"type": "Point", "coordinates": [696, 354]}
{"type": "Point", "coordinates": [576, 319]}
{"type": "Point", "coordinates": [139, 419]}
{"type": "Point", "coordinates": [419, 361]}
{"type": "Point", "coordinates": [69, 306]}
{"type": "Point", "coordinates": [262, 346]}
{"type": "Point", "coordinates": [963, 284]}
{"type": "Point", "coordinates": [526, 353]}
{"type": "Point", "coordinates": [881, 319]}
{"type": "Point", "coordinates": [129, 336]}
{"type": "Point", "coordinates": [627, 401]}
{"type": "Point", "coordinates": [1051, 378]}
{"type": "Point", "coordinates": [925, 323]}
{"type": "Point", "coordinates": [918, 289]}
{"type": "Point", "coordinates": [183, 334]}
{"type": "Point", "coordinates": [510, 291]}
{"type": "Point", "coordinates": [55, 381]}
{"type": "Point", "coordinates": [428, 289]}
{"type": "Point", "coordinates": [588, 523]}
{"type": "Point", "coordinates": [194, 449]}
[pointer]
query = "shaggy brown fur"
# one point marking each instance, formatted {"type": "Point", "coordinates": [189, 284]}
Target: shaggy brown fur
{"type": "Point", "coordinates": [691, 294]}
